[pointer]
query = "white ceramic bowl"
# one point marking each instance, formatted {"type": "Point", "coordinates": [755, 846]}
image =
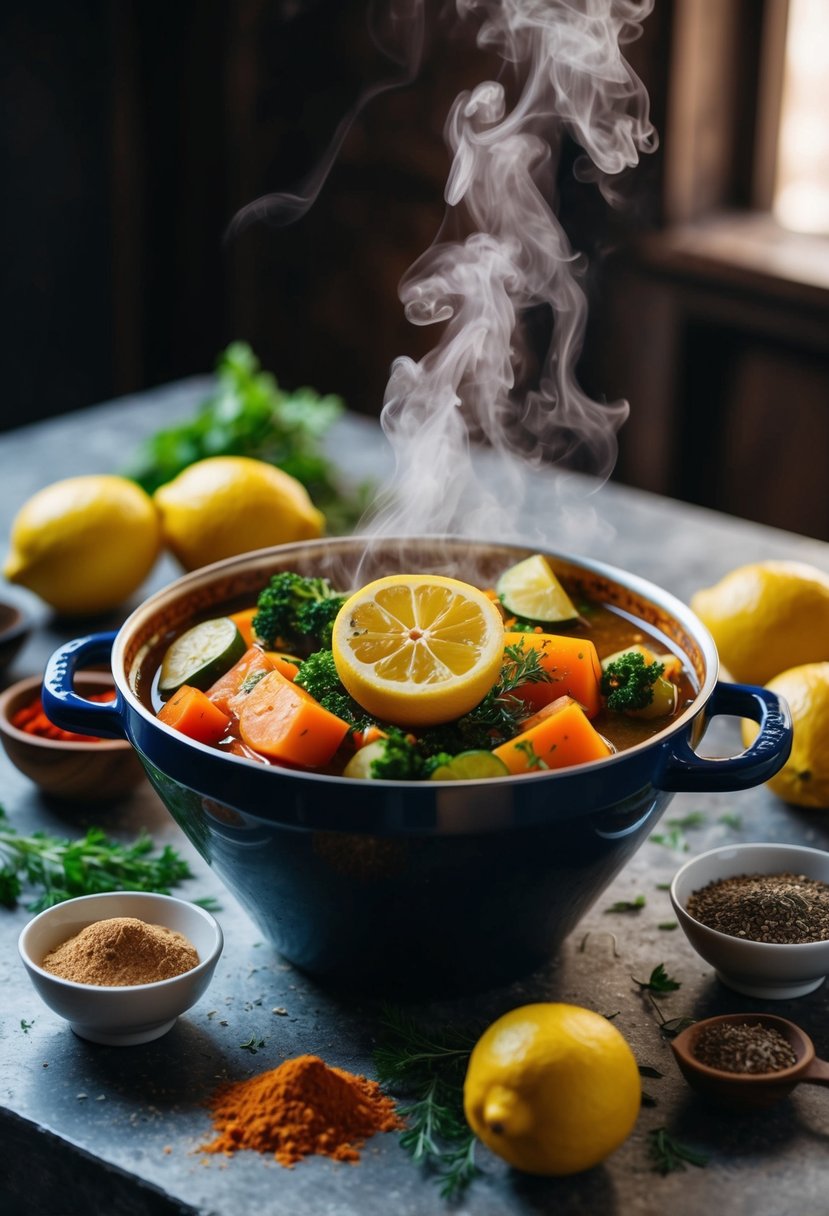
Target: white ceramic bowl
{"type": "Point", "coordinates": [121, 1016]}
{"type": "Point", "coordinates": [772, 971]}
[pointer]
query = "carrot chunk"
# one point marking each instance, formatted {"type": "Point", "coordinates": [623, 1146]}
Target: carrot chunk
{"type": "Point", "coordinates": [283, 663]}
{"type": "Point", "coordinates": [191, 711]}
{"type": "Point", "coordinates": [560, 736]}
{"type": "Point", "coordinates": [572, 665]}
{"type": "Point", "coordinates": [284, 723]}
{"type": "Point", "coordinates": [244, 623]}
{"type": "Point", "coordinates": [253, 661]}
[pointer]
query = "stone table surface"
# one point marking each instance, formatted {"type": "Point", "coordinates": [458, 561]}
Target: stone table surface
{"type": "Point", "coordinates": [91, 1129]}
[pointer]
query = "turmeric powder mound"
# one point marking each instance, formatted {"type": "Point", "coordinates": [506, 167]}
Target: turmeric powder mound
{"type": "Point", "coordinates": [299, 1108]}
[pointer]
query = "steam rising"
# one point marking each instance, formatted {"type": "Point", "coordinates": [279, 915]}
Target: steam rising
{"type": "Point", "coordinates": [479, 382]}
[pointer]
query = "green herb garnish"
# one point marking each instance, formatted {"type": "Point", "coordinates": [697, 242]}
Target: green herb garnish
{"type": "Point", "coordinates": [428, 1069]}
{"type": "Point", "coordinates": [62, 869]}
{"type": "Point", "coordinates": [659, 982]}
{"type": "Point", "coordinates": [674, 838]}
{"type": "Point", "coordinates": [628, 905]}
{"type": "Point", "coordinates": [668, 1154]}
{"type": "Point", "coordinates": [253, 1045]}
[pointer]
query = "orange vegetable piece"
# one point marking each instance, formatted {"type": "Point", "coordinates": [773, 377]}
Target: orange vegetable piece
{"type": "Point", "coordinates": [227, 686]}
{"type": "Point", "coordinates": [282, 663]}
{"type": "Point", "coordinates": [284, 723]}
{"type": "Point", "coordinates": [560, 736]}
{"type": "Point", "coordinates": [572, 663]}
{"type": "Point", "coordinates": [191, 711]}
{"type": "Point", "coordinates": [244, 623]}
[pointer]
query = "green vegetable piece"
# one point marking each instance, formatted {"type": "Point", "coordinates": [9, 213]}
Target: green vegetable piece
{"type": "Point", "coordinates": [471, 766]}
{"type": "Point", "coordinates": [202, 654]}
{"type": "Point", "coordinates": [634, 686]}
{"type": "Point", "coordinates": [530, 589]}
{"type": "Point", "coordinates": [360, 763]}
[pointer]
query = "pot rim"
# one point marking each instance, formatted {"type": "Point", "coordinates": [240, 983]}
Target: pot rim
{"type": "Point", "coordinates": [635, 583]}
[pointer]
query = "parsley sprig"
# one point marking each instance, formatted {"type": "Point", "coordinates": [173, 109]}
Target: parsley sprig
{"type": "Point", "coordinates": [427, 1068]}
{"type": "Point", "coordinates": [61, 869]}
{"type": "Point", "coordinates": [668, 1154]}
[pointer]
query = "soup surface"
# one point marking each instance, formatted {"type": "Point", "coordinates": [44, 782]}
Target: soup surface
{"type": "Point", "coordinates": [545, 710]}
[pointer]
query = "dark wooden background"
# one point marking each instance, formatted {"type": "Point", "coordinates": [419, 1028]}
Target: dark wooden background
{"type": "Point", "coordinates": [132, 131]}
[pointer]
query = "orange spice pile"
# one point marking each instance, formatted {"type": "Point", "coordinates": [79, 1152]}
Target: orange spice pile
{"type": "Point", "coordinates": [32, 719]}
{"type": "Point", "coordinates": [299, 1108]}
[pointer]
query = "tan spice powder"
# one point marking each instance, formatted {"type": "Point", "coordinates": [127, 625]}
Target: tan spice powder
{"type": "Point", "coordinates": [122, 951]}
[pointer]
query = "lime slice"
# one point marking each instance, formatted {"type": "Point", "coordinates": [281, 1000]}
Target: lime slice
{"type": "Point", "coordinates": [471, 766]}
{"type": "Point", "coordinates": [201, 655]}
{"type": "Point", "coordinates": [530, 589]}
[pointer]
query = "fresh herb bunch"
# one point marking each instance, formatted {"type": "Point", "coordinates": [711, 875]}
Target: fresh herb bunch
{"type": "Point", "coordinates": [318, 676]}
{"type": "Point", "coordinates": [247, 414]}
{"type": "Point", "coordinates": [428, 1068]}
{"type": "Point", "coordinates": [62, 869]}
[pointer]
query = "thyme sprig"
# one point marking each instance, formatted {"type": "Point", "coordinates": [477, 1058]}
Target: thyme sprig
{"type": "Point", "coordinates": [61, 869]}
{"type": "Point", "coordinates": [668, 1154]}
{"type": "Point", "coordinates": [427, 1068]}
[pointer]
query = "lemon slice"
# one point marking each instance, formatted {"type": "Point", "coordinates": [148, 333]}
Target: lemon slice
{"type": "Point", "coordinates": [530, 589]}
{"type": "Point", "coordinates": [202, 654]}
{"type": "Point", "coordinates": [418, 649]}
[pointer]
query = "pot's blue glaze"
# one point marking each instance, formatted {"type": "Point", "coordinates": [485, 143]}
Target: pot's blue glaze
{"type": "Point", "coordinates": [426, 885]}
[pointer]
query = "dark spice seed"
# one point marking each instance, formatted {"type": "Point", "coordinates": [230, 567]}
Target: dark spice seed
{"type": "Point", "coordinates": [743, 1047]}
{"type": "Point", "coordinates": [781, 908]}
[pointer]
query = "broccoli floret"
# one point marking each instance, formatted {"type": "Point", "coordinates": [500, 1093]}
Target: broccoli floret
{"type": "Point", "coordinates": [318, 675]}
{"type": "Point", "coordinates": [399, 761]}
{"type": "Point", "coordinates": [628, 682]}
{"type": "Point", "coordinates": [295, 609]}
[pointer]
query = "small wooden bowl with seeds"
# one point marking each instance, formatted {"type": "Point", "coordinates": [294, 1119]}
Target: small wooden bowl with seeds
{"type": "Point", "coordinates": [747, 1060]}
{"type": "Point", "coordinates": [759, 914]}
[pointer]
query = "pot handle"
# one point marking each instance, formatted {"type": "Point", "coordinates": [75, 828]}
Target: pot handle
{"type": "Point", "coordinates": [64, 706]}
{"type": "Point", "coordinates": [683, 769]}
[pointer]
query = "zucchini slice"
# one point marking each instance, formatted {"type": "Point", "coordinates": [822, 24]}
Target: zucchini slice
{"type": "Point", "coordinates": [202, 654]}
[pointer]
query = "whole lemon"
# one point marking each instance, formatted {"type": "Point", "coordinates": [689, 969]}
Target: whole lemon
{"type": "Point", "coordinates": [804, 778]}
{"type": "Point", "coordinates": [226, 505]}
{"type": "Point", "coordinates": [84, 544]}
{"type": "Point", "coordinates": [552, 1088]}
{"type": "Point", "coordinates": [767, 617]}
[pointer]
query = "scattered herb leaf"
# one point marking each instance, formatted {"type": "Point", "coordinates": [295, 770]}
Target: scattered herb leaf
{"type": "Point", "coordinates": [659, 981]}
{"type": "Point", "coordinates": [25, 1026]}
{"type": "Point", "coordinates": [731, 820]}
{"type": "Point", "coordinates": [628, 905]}
{"type": "Point", "coordinates": [429, 1067]}
{"type": "Point", "coordinates": [668, 1154]}
{"type": "Point", "coordinates": [645, 1070]}
{"type": "Point", "coordinates": [667, 925]}
{"type": "Point", "coordinates": [674, 1026]}
{"type": "Point", "coordinates": [663, 886]}
{"type": "Point", "coordinates": [674, 837]}
{"type": "Point", "coordinates": [647, 1100]}
{"type": "Point", "coordinates": [253, 1045]}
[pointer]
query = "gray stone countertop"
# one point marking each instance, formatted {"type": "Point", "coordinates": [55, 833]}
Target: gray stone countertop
{"type": "Point", "coordinates": [91, 1129]}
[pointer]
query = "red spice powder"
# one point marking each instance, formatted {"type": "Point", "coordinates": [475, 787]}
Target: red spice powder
{"type": "Point", "coordinates": [299, 1108]}
{"type": "Point", "coordinates": [31, 719]}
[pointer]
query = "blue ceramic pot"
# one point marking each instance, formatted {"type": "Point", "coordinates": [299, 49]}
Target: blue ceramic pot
{"type": "Point", "coordinates": [427, 886]}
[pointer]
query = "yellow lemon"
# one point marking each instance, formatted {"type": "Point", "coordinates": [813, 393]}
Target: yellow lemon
{"type": "Point", "coordinates": [418, 649]}
{"type": "Point", "coordinates": [804, 778]}
{"type": "Point", "coordinates": [226, 505]}
{"type": "Point", "coordinates": [84, 544]}
{"type": "Point", "coordinates": [767, 617]}
{"type": "Point", "coordinates": [552, 1088]}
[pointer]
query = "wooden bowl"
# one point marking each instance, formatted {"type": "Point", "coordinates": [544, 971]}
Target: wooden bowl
{"type": "Point", "coordinates": [78, 772]}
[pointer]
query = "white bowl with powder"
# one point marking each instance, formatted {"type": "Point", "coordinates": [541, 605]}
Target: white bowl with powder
{"type": "Point", "coordinates": [771, 970]}
{"type": "Point", "coordinates": [122, 1012]}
